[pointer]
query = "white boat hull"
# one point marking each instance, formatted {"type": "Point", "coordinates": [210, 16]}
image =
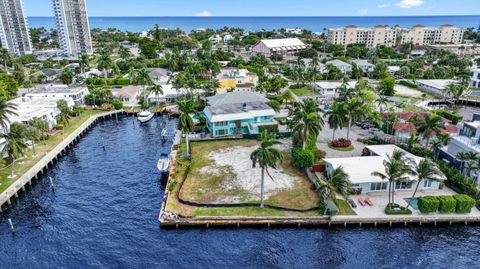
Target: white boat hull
{"type": "Point", "coordinates": [163, 165]}
{"type": "Point", "coordinates": [144, 119]}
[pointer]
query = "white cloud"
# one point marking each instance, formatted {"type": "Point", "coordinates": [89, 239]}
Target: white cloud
{"type": "Point", "coordinates": [363, 11]}
{"type": "Point", "coordinates": [387, 5]}
{"type": "Point", "coordinates": [409, 3]}
{"type": "Point", "coordinates": [204, 14]}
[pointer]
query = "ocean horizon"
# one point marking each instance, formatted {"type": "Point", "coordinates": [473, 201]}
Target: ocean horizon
{"type": "Point", "coordinates": [315, 24]}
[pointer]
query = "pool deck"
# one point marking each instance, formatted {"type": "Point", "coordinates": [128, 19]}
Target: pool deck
{"type": "Point", "coordinates": [51, 157]}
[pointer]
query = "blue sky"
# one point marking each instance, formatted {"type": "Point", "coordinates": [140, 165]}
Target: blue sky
{"type": "Point", "coordinates": [266, 7]}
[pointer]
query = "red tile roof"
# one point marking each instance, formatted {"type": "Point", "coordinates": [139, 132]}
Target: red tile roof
{"type": "Point", "coordinates": [405, 127]}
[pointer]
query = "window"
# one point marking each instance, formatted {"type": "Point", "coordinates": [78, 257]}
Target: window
{"type": "Point", "coordinates": [378, 186]}
{"type": "Point", "coordinates": [403, 185]}
{"type": "Point", "coordinates": [221, 124]}
{"type": "Point", "coordinates": [427, 184]}
{"type": "Point", "coordinates": [221, 132]}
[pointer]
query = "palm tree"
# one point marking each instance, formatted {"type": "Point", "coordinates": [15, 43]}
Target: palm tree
{"type": "Point", "coordinates": [40, 125]}
{"type": "Point", "coordinates": [336, 117]}
{"type": "Point", "coordinates": [185, 122]}
{"type": "Point", "coordinates": [424, 170]}
{"type": "Point", "coordinates": [462, 157]}
{"type": "Point", "coordinates": [266, 156]}
{"type": "Point", "coordinates": [124, 53]}
{"type": "Point", "coordinates": [156, 89]}
{"type": "Point", "coordinates": [444, 138]}
{"type": "Point", "coordinates": [396, 170]}
{"type": "Point", "coordinates": [412, 140]}
{"type": "Point", "coordinates": [33, 134]}
{"type": "Point", "coordinates": [104, 63]}
{"type": "Point", "coordinates": [336, 181]}
{"type": "Point", "coordinates": [14, 147]}
{"type": "Point", "coordinates": [382, 102]}
{"type": "Point", "coordinates": [84, 63]}
{"type": "Point", "coordinates": [436, 145]}
{"type": "Point", "coordinates": [6, 109]}
{"type": "Point", "coordinates": [4, 58]}
{"type": "Point", "coordinates": [355, 110]}
{"type": "Point", "coordinates": [143, 78]}
{"type": "Point", "coordinates": [307, 121]}
{"type": "Point", "coordinates": [428, 126]}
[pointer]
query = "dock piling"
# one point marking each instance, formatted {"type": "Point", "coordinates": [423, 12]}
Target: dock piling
{"type": "Point", "coordinates": [11, 226]}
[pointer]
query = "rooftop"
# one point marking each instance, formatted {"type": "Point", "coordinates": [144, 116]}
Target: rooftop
{"type": "Point", "coordinates": [55, 89]}
{"type": "Point", "coordinates": [436, 83]}
{"type": "Point", "coordinates": [235, 98]}
{"type": "Point", "coordinates": [283, 42]}
{"type": "Point", "coordinates": [335, 84]}
{"type": "Point", "coordinates": [238, 108]}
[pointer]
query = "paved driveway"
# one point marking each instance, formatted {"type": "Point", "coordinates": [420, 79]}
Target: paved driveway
{"type": "Point", "coordinates": [327, 134]}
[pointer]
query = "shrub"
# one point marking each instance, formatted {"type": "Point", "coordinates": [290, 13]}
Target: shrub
{"type": "Point", "coordinates": [341, 143]}
{"type": "Point", "coordinates": [172, 185]}
{"type": "Point", "coordinates": [407, 83]}
{"type": "Point", "coordinates": [302, 158]}
{"type": "Point", "coordinates": [428, 204]}
{"type": "Point", "coordinates": [273, 128]}
{"type": "Point", "coordinates": [320, 155]}
{"type": "Point", "coordinates": [397, 210]}
{"type": "Point", "coordinates": [465, 203]}
{"type": "Point", "coordinates": [447, 204]}
{"type": "Point", "coordinates": [122, 81]}
{"type": "Point", "coordinates": [455, 118]}
{"type": "Point", "coordinates": [117, 105]}
{"type": "Point", "coordinates": [59, 126]}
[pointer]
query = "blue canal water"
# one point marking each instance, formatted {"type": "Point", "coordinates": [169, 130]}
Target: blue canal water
{"type": "Point", "coordinates": [104, 212]}
{"type": "Point", "coordinates": [316, 24]}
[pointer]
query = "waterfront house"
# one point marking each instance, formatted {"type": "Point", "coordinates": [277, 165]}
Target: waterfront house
{"type": "Point", "coordinates": [238, 113]}
{"type": "Point", "coordinates": [128, 95]}
{"type": "Point", "coordinates": [434, 86]}
{"type": "Point", "coordinates": [159, 75]}
{"type": "Point", "coordinates": [169, 94]}
{"type": "Point", "coordinates": [58, 92]}
{"type": "Point", "coordinates": [343, 66]}
{"type": "Point", "coordinates": [360, 170]}
{"type": "Point", "coordinates": [364, 65]}
{"type": "Point", "coordinates": [268, 47]}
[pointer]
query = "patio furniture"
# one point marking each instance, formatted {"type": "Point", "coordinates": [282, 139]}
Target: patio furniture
{"type": "Point", "coordinates": [361, 201]}
{"type": "Point", "coordinates": [368, 201]}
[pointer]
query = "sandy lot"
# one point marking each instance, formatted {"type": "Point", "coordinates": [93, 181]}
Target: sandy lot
{"type": "Point", "coordinates": [405, 91]}
{"type": "Point", "coordinates": [247, 178]}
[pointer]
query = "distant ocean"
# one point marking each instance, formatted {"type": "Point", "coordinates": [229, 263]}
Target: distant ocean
{"type": "Point", "coordinates": [316, 24]}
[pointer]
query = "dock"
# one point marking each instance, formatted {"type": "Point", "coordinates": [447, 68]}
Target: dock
{"type": "Point", "coordinates": [51, 157]}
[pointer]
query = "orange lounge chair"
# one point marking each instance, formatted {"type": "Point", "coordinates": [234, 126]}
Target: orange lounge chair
{"type": "Point", "coordinates": [368, 201]}
{"type": "Point", "coordinates": [361, 201]}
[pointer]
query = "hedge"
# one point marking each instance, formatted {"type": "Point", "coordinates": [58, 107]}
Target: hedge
{"type": "Point", "coordinates": [408, 83]}
{"type": "Point", "coordinates": [428, 204]}
{"type": "Point", "coordinates": [448, 204]}
{"type": "Point", "coordinates": [302, 158]}
{"type": "Point", "coordinates": [455, 118]}
{"type": "Point", "coordinates": [397, 210]}
{"type": "Point", "coordinates": [465, 203]}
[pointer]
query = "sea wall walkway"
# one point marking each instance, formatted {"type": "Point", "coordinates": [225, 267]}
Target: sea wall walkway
{"type": "Point", "coordinates": [51, 157]}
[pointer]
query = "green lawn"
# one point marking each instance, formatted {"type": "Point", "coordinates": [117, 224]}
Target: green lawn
{"type": "Point", "coordinates": [42, 149]}
{"type": "Point", "coordinates": [304, 91]}
{"type": "Point", "coordinates": [344, 208]}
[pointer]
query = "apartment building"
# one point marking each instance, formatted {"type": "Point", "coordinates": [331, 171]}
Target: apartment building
{"type": "Point", "coordinates": [388, 36]}
{"type": "Point", "coordinates": [14, 33]}
{"type": "Point", "coordinates": [73, 27]}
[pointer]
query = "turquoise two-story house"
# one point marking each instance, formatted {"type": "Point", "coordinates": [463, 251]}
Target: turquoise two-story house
{"type": "Point", "coordinates": [238, 113]}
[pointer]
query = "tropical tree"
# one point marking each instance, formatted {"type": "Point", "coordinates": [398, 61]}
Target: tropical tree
{"type": "Point", "coordinates": [156, 89]}
{"type": "Point", "coordinates": [266, 156]}
{"type": "Point", "coordinates": [40, 125]}
{"type": "Point", "coordinates": [382, 102]}
{"type": "Point", "coordinates": [336, 117]}
{"type": "Point", "coordinates": [429, 125]}
{"type": "Point", "coordinates": [436, 145]}
{"type": "Point", "coordinates": [336, 181]}
{"type": "Point", "coordinates": [104, 64]}
{"type": "Point", "coordinates": [124, 53]}
{"type": "Point", "coordinates": [185, 122]}
{"type": "Point", "coordinates": [355, 111]}
{"type": "Point", "coordinates": [84, 63]}
{"type": "Point", "coordinates": [6, 109]}
{"type": "Point", "coordinates": [307, 121]}
{"type": "Point", "coordinates": [462, 157]}
{"type": "Point", "coordinates": [397, 169]}
{"type": "Point", "coordinates": [424, 170]}
{"type": "Point", "coordinates": [13, 148]}
{"type": "Point", "coordinates": [412, 140]}
{"type": "Point", "coordinates": [143, 78]}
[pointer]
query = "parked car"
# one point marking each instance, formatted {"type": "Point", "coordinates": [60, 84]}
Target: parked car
{"type": "Point", "coordinates": [352, 203]}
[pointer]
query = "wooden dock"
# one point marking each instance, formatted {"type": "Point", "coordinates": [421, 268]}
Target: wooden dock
{"type": "Point", "coordinates": [51, 157]}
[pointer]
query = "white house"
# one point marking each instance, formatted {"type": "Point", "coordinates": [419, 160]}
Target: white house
{"type": "Point", "coordinates": [434, 86]}
{"type": "Point", "coordinates": [215, 39]}
{"type": "Point", "coordinates": [475, 80]}
{"type": "Point", "coordinates": [58, 92]}
{"type": "Point", "coordinates": [238, 79]}
{"type": "Point", "coordinates": [169, 94]}
{"type": "Point", "coordinates": [364, 65]}
{"type": "Point", "coordinates": [360, 169]}
{"type": "Point", "coordinates": [128, 95]}
{"type": "Point", "coordinates": [343, 66]}
{"type": "Point", "coordinates": [268, 47]}
{"type": "Point", "coordinates": [227, 38]}
{"type": "Point", "coordinates": [328, 89]}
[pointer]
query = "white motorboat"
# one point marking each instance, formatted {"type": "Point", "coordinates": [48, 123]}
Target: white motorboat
{"type": "Point", "coordinates": [145, 116]}
{"type": "Point", "coordinates": [163, 164]}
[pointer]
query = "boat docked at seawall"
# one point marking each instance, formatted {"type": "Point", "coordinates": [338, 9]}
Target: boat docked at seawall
{"type": "Point", "coordinates": [145, 116]}
{"type": "Point", "coordinates": [163, 164]}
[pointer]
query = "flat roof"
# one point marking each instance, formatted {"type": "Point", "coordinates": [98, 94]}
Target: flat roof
{"type": "Point", "coordinates": [335, 84]}
{"type": "Point", "coordinates": [283, 42]}
{"type": "Point", "coordinates": [235, 98]}
{"type": "Point", "coordinates": [436, 83]}
{"type": "Point", "coordinates": [238, 108]}
{"type": "Point", "coordinates": [55, 89]}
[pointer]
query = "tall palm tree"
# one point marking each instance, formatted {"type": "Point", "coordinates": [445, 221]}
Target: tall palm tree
{"type": "Point", "coordinates": [429, 125]}
{"type": "Point", "coordinates": [185, 122]}
{"type": "Point", "coordinates": [436, 145]}
{"type": "Point", "coordinates": [444, 138]}
{"type": "Point", "coordinates": [397, 169]}
{"type": "Point", "coordinates": [382, 102]}
{"type": "Point", "coordinates": [336, 117]}
{"type": "Point", "coordinates": [156, 89]}
{"type": "Point", "coordinates": [336, 181]}
{"type": "Point", "coordinates": [14, 147]}
{"type": "Point", "coordinates": [6, 109]}
{"type": "Point", "coordinates": [143, 78]}
{"type": "Point", "coordinates": [40, 125]}
{"type": "Point", "coordinates": [462, 157]}
{"type": "Point", "coordinates": [124, 53]}
{"type": "Point", "coordinates": [307, 121]}
{"type": "Point", "coordinates": [424, 170]}
{"type": "Point", "coordinates": [266, 156]}
{"type": "Point", "coordinates": [412, 140]}
{"type": "Point", "coordinates": [34, 135]}
{"type": "Point", "coordinates": [104, 64]}
{"type": "Point", "coordinates": [84, 63]}
{"type": "Point", "coordinates": [355, 110]}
